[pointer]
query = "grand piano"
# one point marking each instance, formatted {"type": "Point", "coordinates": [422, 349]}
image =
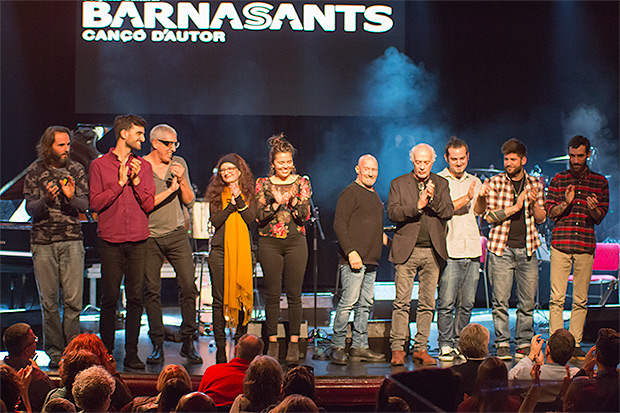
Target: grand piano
{"type": "Point", "coordinates": [19, 300]}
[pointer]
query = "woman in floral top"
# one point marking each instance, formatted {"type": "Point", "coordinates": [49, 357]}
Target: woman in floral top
{"type": "Point", "coordinates": [283, 208]}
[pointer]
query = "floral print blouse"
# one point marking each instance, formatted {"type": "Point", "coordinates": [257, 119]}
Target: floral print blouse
{"type": "Point", "coordinates": [287, 220]}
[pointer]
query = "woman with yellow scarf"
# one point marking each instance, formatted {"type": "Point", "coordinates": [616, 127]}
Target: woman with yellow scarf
{"type": "Point", "coordinates": [231, 201]}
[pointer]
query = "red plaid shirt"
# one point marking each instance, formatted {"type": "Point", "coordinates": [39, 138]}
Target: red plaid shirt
{"type": "Point", "coordinates": [573, 232]}
{"type": "Point", "coordinates": [501, 196]}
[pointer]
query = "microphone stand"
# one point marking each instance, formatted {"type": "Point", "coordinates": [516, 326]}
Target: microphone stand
{"type": "Point", "coordinates": [316, 333]}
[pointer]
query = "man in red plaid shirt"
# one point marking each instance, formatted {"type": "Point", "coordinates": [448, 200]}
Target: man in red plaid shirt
{"type": "Point", "coordinates": [577, 200]}
{"type": "Point", "coordinates": [514, 205]}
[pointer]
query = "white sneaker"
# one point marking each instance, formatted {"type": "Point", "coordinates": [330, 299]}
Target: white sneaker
{"type": "Point", "coordinates": [457, 354]}
{"type": "Point", "coordinates": [446, 353]}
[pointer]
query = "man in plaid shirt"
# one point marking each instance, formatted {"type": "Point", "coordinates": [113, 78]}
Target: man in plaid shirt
{"type": "Point", "coordinates": [577, 200]}
{"type": "Point", "coordinates": [514, 205]}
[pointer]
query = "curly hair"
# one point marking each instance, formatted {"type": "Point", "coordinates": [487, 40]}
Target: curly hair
{"type": "Point", "coordinates": [216, 185]}
{"type": "Point", "coordinates": [92, 387]}
{"type": "Point", "coordinates": [279, 144]}
{"type": "Point", "coordinates": [92, 343]}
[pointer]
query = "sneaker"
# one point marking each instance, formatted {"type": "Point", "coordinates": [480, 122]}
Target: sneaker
{"type": "Point", "coordinates": [457, 354]}
{"type": "Point", "coordinates": [503, 353]}
{"type": "Point", "coordinates": [446, 353]}
{"type": "Point", "coordinates": [522, 352]}
{"type": "Point", "coordinates": [579, 354]}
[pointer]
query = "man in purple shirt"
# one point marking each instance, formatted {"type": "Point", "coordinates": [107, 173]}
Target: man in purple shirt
{"type": "Point", "coordinates": [122, 191]}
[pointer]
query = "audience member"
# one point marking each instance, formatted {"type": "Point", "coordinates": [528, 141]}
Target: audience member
{"type": "Point", "coordinates": [422, 390]}
{"type": "Point", "coordinates": [71, 364]}
{"type": "Point", "coordinates": [94, 344]}
{"type": "Point", "coordinates": [171, 393]}
{"type": "Point", "coordinates": [582, 396]}
{"type": "Point", "coordinates": [150, 403]}
{"type": "Point", "coordinates": [93, 388]}
{"type": "Point", "coordinates": [295, 403]}
{"type": "Point", "coordinates": [58, 405]}
{"type": "Point", "coordinates": [14, 388]}
{"type": "Point", "coordinates": [605, 355]}
{"type": "Point", "coordinates": [559, 350]}
{"type": "Point", "coordinates": [223, 382]}
{"type": "Point", "coordinates": [21, 344]}
{"type": "Point", "coordinates": [262, 386]}
{"type": "Point", "coordinates": [299, 380]}
{"type": "Point", "coordinates": [195, 402]}
{"type": "Point", "coordinates": [491, 392]}
{"type": "Point", "coordinates": [396, 404]}
{"type": "Point", "coordinates": [474, 345]}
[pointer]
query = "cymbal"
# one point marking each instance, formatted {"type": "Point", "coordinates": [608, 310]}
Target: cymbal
{"type": "Point", "coordinates": [558, 159]}
{"type": "Point", "coordinates": [485, 171]}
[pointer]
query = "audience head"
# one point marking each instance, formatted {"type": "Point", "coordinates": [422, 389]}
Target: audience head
{"type": "Point", "coordinates": [491, 387]}
{"type": "Point", "coordinates": [93, 388]}
{"type": "Point", "coordinates": [172, 371]}
{"type": "Point", "coordinates": [397, 404]}
{"type": "Point", "coordinates": [249, 346]}
{"type": "Point", "coordinates": [195, 402]}
{"type": "Point", "coordinates": [58, 405]}
{"type": "Point", "coordinates": [170, 394]}
{"type": "Point", "coordinates": [295, 403]}
{"type": "Point", "coordinates": [10, 387]}
{"type": "Point", "coordinates": [92, 343]}
{"type": "Point", "coordinates": [262, 384]}
{"type": "Point", "coordinates": [422, 390]}
{"type": "Point", "coordinates": [474, 341]}
{"type": "Point", "coordinates": [20, 341]}
{"type": "Point", "coordinates": [561, 346]}
{"type": "Point", "coordinates": [608, 348]}
{"type": "Point", "coordinates": [299, 380]}
{"type": "Point", "coordinates": [74, 362]}
{"type": "Point", "coordinates": [582, 396]}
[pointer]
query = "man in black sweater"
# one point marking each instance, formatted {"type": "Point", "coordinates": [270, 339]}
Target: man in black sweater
{"type": "Point", "coordinates": [359, 227]}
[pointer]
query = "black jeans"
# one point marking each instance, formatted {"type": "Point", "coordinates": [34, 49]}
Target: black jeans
{"type": "Point", "coordinates": [283, 258]}
{"type": "Point", "coordinates": [118, 259]}
{"type": "Point", "coordinates": [216, 270]}
{"type": "Point", "coordinates": [177, 249]}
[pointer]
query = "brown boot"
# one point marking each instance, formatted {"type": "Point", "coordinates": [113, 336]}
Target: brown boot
{"type": "Point", "coordinates": [398, 358]}
{"type": "Point", "coordinates": [424, 358]}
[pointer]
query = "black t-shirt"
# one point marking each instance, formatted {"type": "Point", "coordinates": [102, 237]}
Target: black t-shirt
{"type": "Point", "coordinates": [516, 237]}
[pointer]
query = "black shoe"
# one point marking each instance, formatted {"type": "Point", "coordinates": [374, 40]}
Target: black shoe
{"type": "Point", "coordinates": [579, 354]}
{"type": "Point", "coordinates": [189, 352]}
{"type": "Point", "coordinates": [365, 354]}
{"type": "Point", "coordinates": [338, 356]}
{"type": "Point", "coordinates": [157, 356]}
{"type": "Point", "coordinates": [133, 362]}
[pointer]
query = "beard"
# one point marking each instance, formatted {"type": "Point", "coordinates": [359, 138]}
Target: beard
{"type": "Point", "coordinates": [516, 172]}
{"type": "Point", "coordinates": [60, 160]}
{"type": "Point", "coordinates": [576, 168]}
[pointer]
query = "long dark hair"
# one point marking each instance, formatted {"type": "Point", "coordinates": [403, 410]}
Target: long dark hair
{"type": "Point", "coordinates": [216, 185]}
{"type": "Point", "coordinates": [491, 388]}
{"type": "Point", "coordinates": [44, 147]}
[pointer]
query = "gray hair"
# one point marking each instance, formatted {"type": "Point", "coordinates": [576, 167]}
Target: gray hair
{"type": "Point", "coordinates": [421, 146]}
{"type": "Point", "coordinates": [158, 131]}
{"type": "Point", "coordinates": [92, 387]}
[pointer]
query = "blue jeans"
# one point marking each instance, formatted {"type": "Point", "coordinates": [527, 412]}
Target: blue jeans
{"type": "Point", "coordinates": [59, 265]}
{"type": "Point", "coordinates": [513, 264]}
{"type": "Point", "coordinates": [357, 296]}
{"type": "Point", "coordinates": [457, 293]}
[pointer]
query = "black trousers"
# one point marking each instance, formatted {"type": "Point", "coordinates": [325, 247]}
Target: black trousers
{"type": "Point", "coordinates": [216, 271]}
{"type": "Point", "coordinates": [118, 259]}
{"type": "Point", "coordinates": [283, 259]}
{"type": "Point", "coordinates": [177, 249]}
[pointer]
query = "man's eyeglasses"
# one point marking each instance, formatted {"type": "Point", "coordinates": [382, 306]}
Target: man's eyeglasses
{"type": "Point", "coordinates": [171, 143]}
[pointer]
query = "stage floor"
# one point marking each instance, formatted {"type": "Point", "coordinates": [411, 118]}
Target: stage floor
{"type": "Point", "coordinates": [205, 345]}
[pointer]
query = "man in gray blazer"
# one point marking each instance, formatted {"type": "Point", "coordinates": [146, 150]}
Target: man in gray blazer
{"type": "Point", "coordinates": [419, 204]}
